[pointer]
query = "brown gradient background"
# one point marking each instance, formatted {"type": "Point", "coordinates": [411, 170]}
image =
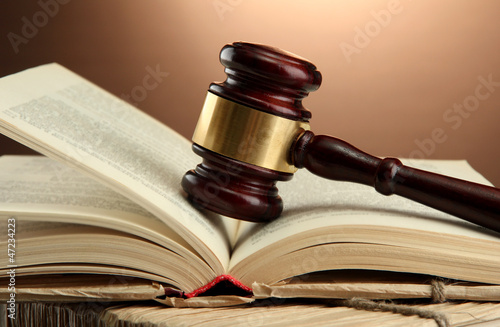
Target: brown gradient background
{"type": "Point", "coordinates": [391, 94]}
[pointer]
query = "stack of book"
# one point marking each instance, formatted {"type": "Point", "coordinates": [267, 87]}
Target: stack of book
{"type": "Point", "coordinates": [104, 212]}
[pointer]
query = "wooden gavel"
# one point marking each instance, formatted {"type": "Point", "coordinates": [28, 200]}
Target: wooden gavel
{"type": "Point", "coordinates": [254, 131]}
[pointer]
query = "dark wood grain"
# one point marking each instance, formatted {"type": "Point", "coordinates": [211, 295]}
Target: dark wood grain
{"type": "Point", "coordinates": [274, 81]}
{"type": "Point", "coordinates": [266, 79]}
{"type": "Point", "coordinates": [335, 159]}
{"type": "Point", "coordinates": [233, 188]}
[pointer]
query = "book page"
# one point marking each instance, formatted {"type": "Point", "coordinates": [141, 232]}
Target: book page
{"type": "Point", "coordinates": [40, 189]}
{"type": "Point", "coordinates": [313, 203]}
{"type": "Point", "coordinates": [81, 288]}
{"type": "Point", "coordinates": [373, 284]}
{"type": "Point", "coordinates": [63, 116]}
{"type": "Point", "coordinates": [42, 246]}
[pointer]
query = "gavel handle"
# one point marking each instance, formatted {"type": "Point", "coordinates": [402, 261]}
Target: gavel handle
{"type": "Point", "coordinates": [335, 159]}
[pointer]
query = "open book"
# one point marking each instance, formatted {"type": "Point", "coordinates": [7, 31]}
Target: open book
{"type": "Point", "coordinates": [106, 200]}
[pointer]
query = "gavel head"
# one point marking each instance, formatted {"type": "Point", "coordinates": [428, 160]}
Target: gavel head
{"type": "Point", "coordinates": [247, 129]}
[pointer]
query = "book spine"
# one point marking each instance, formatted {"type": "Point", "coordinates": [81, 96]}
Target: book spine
{"type": "Point", "coordinates": [219, 279]}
